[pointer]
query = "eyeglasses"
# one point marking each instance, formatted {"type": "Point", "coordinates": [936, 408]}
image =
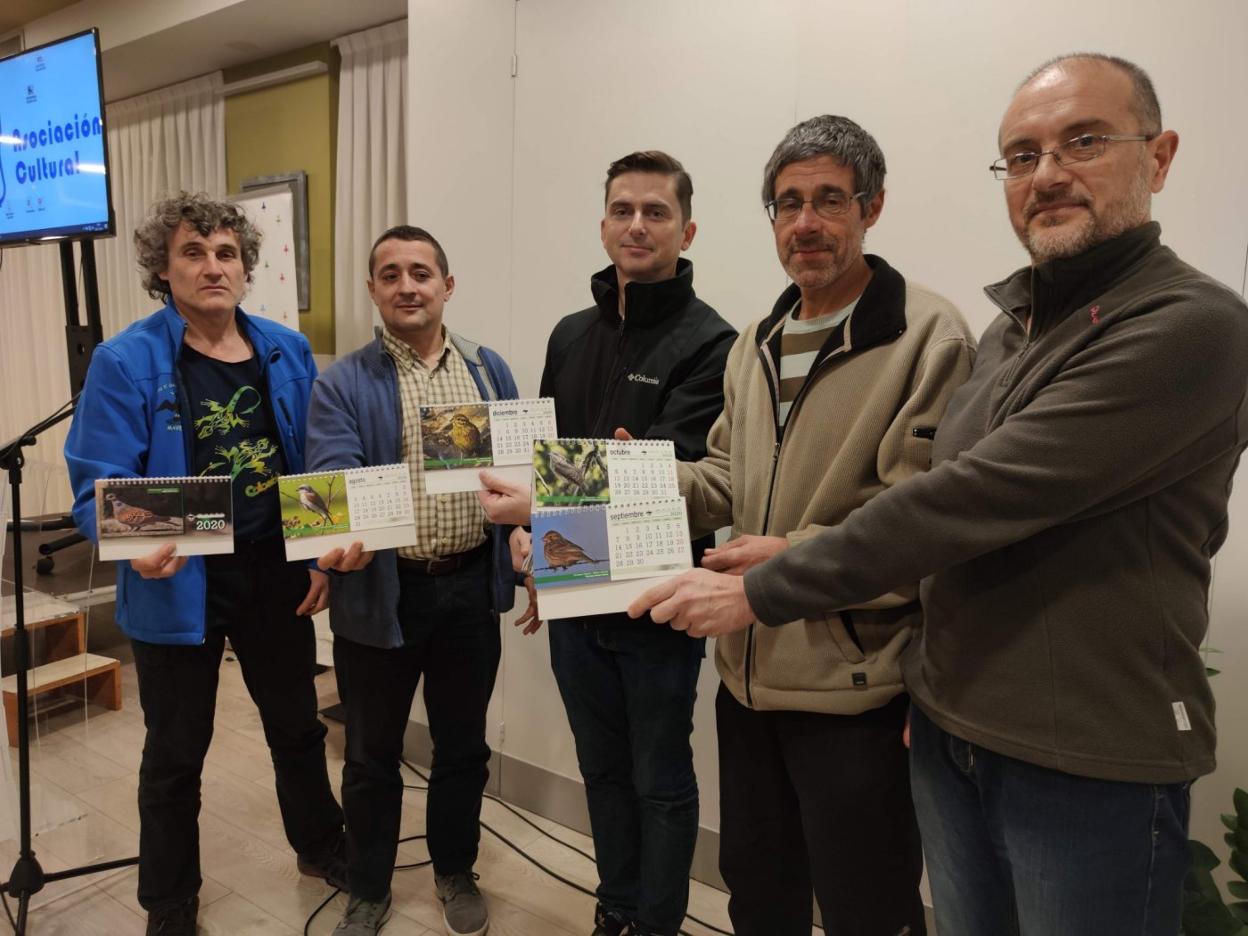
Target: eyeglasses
{"type": "Point", "coordinates": [1080, 149]}
{"type": "Point", "coordinates": [827, 206]}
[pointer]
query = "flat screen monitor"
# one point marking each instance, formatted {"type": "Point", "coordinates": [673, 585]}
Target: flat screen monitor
{"type": "Point", "coordinates": [53, 150]}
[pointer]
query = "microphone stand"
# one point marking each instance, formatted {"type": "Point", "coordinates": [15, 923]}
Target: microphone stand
{"type": "Point", "coordinates": [27, 877]}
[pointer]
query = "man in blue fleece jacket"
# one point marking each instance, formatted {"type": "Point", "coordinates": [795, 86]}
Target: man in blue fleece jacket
{"type": "Point", "coordinates": [151, 407]}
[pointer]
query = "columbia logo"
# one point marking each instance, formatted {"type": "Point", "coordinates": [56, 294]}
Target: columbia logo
{"type": "Point", "coordinates": [642, 378]}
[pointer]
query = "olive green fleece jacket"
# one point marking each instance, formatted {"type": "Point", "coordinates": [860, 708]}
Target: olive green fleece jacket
{"type": "Point", "coordinates": [862, 423]}
{"type": "Point", "coordinates": [1065, 534]}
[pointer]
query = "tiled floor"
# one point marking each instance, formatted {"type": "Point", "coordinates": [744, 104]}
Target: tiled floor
{"type": "Point", "coordinates": [84, 774]}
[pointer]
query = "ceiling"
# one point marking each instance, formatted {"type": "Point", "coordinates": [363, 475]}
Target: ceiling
{"type": "Point", "coordinates": [15, 13]}
{"type": "Point", "coordinates": [235, 34]}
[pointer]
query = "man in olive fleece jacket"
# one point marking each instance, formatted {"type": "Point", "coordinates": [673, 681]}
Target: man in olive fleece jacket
{"type": "Point", "coordinates": [1079, 490]}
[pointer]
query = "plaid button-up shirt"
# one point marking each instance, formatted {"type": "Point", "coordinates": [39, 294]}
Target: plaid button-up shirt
{"type": "Point", "coordinates": [445, 523]}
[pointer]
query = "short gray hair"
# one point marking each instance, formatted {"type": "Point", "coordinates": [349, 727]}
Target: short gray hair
{"type": "Point", "coordinates": [151, 237]}
{"type": "Point", "coordinates": [1144, 104]}
{"type": "Point", "coordinates": [838, 137]}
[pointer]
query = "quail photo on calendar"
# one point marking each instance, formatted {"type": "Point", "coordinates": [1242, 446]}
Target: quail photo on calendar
{"type": "Point", "coordinates": [137, 515]}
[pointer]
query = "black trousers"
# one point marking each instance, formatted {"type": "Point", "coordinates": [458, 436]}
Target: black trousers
{"type": "Point", "coordinates": [817, 802]}
{"type": "Point", "coordinates": [451, 637]}
{"type": "Point", "coordinates": [252, 596]}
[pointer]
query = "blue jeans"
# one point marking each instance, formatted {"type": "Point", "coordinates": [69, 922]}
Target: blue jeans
{"type": "Point", "coordinates": [1013, 848]}
{"type": "Point", "coordinates": [629, 694]}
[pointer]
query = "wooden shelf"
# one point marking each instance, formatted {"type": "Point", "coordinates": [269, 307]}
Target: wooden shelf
{"type": "Point", "coordinates": [69, 668]}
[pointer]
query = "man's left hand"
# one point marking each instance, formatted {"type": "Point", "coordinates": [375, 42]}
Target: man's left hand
{"type": "Point", "coordinates": [704, 603]}
{"type": "Point", "coordinates": [318, 594]}
{"type": "Point", "coordinates": [530, 620]}
{"type": "Point", "coordinates": [738, 556]}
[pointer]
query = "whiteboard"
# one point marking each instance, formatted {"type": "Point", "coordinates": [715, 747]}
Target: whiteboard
{"type": "Point", "coordinates": [273, 293]}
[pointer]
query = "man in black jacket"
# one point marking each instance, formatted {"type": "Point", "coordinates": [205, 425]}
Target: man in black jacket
{"type": "Point", "coordinates": [647, 358]}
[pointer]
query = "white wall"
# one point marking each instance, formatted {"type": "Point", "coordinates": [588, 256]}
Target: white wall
{"type": "Point", "coordinates": [509, 172]}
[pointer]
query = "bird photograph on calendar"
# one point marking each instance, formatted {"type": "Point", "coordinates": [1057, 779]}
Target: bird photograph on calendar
{"type": "Point", "coordinates": [183, 507]}
{"type": "Point", "coordinates": [456, 435]}
{"type": "Point", "coordinates": [314, 505]}
{"type": "Point", "coordinates": [570, 546]}
{"type": "Point", "coordinates": [570, 472]}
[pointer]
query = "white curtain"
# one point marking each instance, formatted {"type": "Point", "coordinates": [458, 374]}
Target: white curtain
{"type": "Point", "coordinates": [159, 142]}
{"type": "Point", "coordinates": [371, 190]}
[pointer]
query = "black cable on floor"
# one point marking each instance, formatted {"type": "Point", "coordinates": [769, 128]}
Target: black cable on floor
{"type": "Point", "coordinates": [8, 912]}
{"type": "Point", "coordinates": [533, 861]}
{"type": "Point", "coordinates": [338, 890]}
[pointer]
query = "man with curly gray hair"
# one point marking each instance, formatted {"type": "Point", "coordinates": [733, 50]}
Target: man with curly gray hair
{"type": "Point", "coordinates": [152, 238]}
{"type": "Point", "coordinates": [201, 388]}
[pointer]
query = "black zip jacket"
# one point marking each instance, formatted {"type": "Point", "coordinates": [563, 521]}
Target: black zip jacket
{"type": "Point", "coordinates": [658, 372]}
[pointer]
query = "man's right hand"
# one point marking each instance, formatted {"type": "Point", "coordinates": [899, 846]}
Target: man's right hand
{"type": "Point", "coordinates": [504, 501]}
{"type": "Point", "coordinates": [348, 560]}
{"type": "Point", "coordinates": [521, 545]}
{"type": "Point", "coordinates": [161, 564]}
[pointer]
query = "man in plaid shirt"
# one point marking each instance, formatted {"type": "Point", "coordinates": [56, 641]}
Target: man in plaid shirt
{"type": "Point", "coordinates": [431, 609]}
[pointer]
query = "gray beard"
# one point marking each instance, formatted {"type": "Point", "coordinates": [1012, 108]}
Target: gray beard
{"type": "Point", "coordinates": [1056, 243]}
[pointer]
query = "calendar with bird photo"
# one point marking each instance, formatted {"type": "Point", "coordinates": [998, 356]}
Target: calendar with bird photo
{"type": "Point", "coordinates": [570, 472]}
{"type": "Point", "coordinates": [314, 505]}
{"type": "Point", "coordinates": [570, 546]}
{"type": "Point", "coordinates": [144, 513]}
{"type": "Point", "coordinates": [456, 435]}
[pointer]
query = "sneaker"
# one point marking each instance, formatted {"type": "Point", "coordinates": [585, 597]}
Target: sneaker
{"type": "Point", "coordinates": [331, 866]}
{"type": "Point", "coordinates": [363, 917]}
{"type": "Point", "coordinates": [463, 908]}
{"type": "Point", "coordinates": [175, 920]}
{"type": "Point", "coordinates": [609, 923]}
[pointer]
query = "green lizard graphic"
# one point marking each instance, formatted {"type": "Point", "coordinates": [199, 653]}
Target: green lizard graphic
{"type": "Point", "coordinates": [222, 419]}
{"type": "Point", "coordinates": [248, 454]}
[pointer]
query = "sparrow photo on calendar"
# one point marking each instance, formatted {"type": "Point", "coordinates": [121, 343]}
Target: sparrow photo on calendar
{"type": "Point", "coordinates": [570, 547]}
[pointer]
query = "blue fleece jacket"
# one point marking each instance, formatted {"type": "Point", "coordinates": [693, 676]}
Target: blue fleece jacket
{"type": "Point", "coordinates": [133, 420]}
{"type": "Point", "coordinates": [355, 419]}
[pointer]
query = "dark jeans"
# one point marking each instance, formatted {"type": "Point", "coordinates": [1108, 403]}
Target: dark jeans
{"type": "Point", "coordinates": [451, 636]}
{"type": "Point", "coordinates": [629, 694]}
{"type": "Point", "coordinates": [252, 596]}
{"type": "Point", "coordinates": [817, 802]}
{"type": "Point", "coordinates": [1013, 848]}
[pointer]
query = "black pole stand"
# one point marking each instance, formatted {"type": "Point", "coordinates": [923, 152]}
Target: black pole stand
{"type": "Point", "coordinates": [27, 877]}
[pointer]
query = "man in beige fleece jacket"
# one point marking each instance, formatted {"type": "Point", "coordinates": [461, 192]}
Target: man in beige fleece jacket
{"type": "Point", "coordinates": [829, 400]}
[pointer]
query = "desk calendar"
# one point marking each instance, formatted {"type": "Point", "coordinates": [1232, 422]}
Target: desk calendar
{"type": "Point", "coordinates": [135, 516]}
{"type": "Point", "coordinates": [569, 472]}
{"type": "Point", "coordinates": [332, 509]}
{"type": "Point", "coordinates": [596, 559]}
{"type": "Point", "coordinates": [459, 439]}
